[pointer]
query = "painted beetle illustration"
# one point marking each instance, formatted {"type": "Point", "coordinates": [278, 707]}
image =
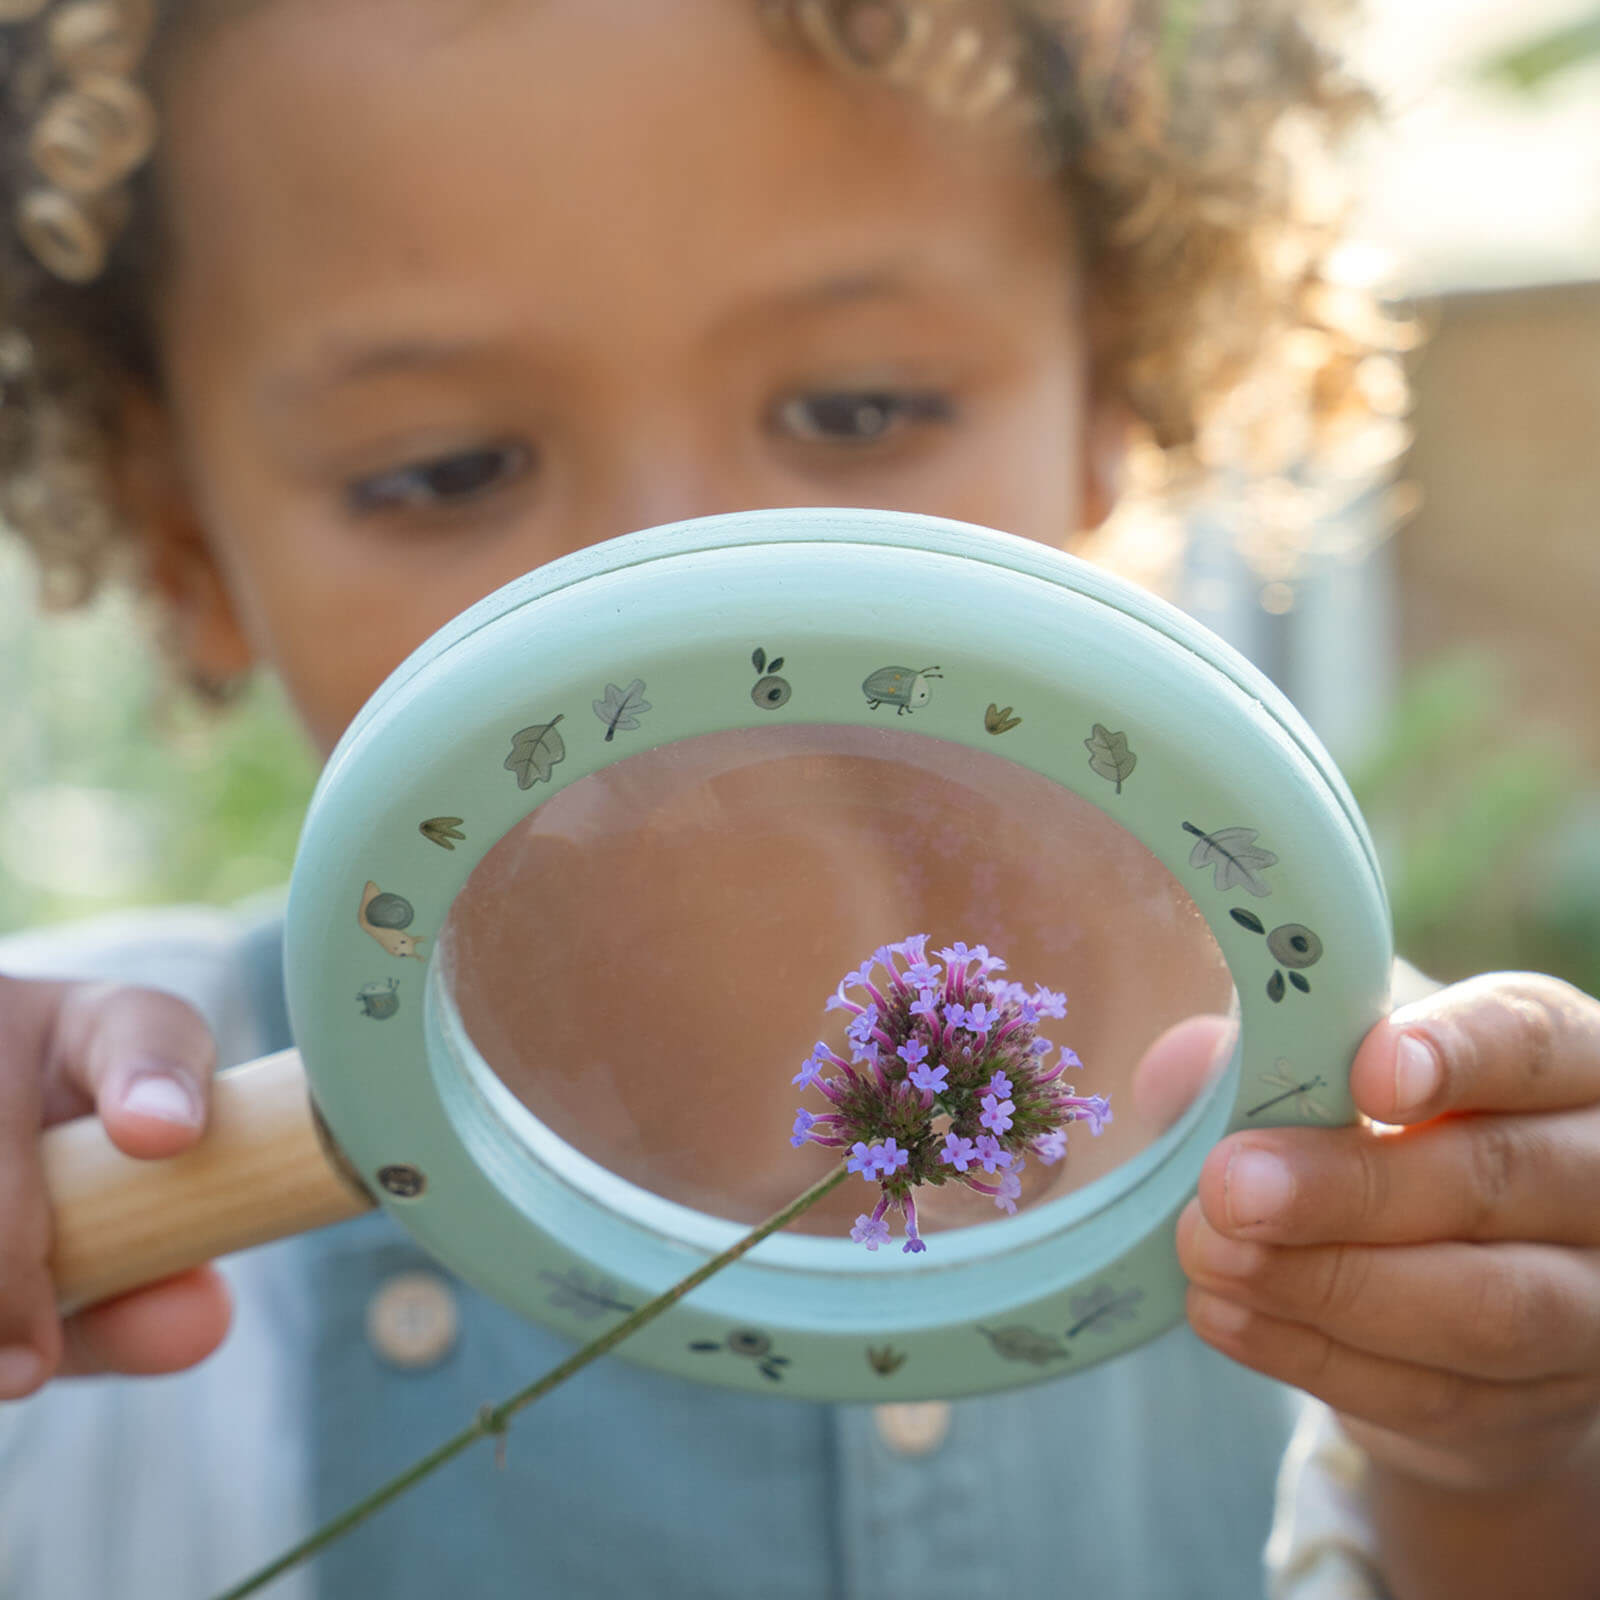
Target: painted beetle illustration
{"type": "Point", "coordinates": [384, 916]}
{"type": "Point", "coordinates": [899, 687]}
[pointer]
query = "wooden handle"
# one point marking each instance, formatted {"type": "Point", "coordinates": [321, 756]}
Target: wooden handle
{"type": "Point", "coordinates": [261, 1171]}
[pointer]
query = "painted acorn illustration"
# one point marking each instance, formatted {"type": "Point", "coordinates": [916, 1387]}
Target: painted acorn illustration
{"type": "Point", "coordinates": [1293, 946]}
{"type": "Point", "coordinates": [386, 917]}
{"type": "Point", "coordinates": [771, 691]}
{"type": "Point", "coordinates": [900, 687]}
{"type": "Point", "coordinates": [379, 1001]}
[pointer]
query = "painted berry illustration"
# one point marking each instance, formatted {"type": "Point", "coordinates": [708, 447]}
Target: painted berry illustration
{"type": "Point", "coordinates": [900, 687]}
{"type": "Point", "coordinates": [1293, 946]}
{"type": "Point", "coordinates": [753, 1345]}
{"type": "Point", "coordinates": [379, 1001]}
{"type": "Point", "coordinates": [386, 916]}
{"type": "Point", "coordinates": [770, 691]}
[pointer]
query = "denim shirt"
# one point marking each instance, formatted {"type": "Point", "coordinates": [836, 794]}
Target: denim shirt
{"type": "Point", "coordinates": [1149, 1476]}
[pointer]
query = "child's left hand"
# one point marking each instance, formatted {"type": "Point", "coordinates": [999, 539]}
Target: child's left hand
{"type": "Point", "coordinates": [1437, 1284]}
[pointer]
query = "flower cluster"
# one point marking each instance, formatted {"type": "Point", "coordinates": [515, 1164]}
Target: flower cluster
{"type": "Point", "coordinates": [948, 1078]}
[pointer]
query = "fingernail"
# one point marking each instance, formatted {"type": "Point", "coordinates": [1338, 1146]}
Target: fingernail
{"type": "Point", "coordinates": [1417, 1073]}
{"type": "Point", "coordinates": [21, 1367]}
{"type": "Point", "coordinates": [1257, 1187]}
{"type": "Point", "coordinates": [166, 1099]}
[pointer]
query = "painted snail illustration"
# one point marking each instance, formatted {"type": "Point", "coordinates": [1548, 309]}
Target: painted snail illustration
{"type": "Point", "coordinates": [386, 916]}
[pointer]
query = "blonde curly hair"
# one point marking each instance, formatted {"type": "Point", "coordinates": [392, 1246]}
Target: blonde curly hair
{"type": "Point", "coordinates": [1193, 139]}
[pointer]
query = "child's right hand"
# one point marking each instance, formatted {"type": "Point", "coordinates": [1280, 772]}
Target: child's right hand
{"type": "Point", "coordinates": [142, 1061]}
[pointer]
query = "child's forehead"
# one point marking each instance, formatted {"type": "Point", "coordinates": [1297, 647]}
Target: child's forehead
{"type": "Point", "coordinates": [658, 153]}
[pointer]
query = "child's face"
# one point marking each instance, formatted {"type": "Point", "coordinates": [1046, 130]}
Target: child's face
{"type": "Point", "coordinates": [460, 287]}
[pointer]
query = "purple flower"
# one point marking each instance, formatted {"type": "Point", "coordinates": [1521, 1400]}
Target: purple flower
{"type": "Point", "coordinates": [997, 1113]}
{"type": "Point", "coordinates": [891, 1158]}
{"type": "Point", "coordinates": [944, 1077]}
{"type": "Point", "coordinates": [1050, 1003]}
{"type": "Point", "coordinates": [913, 1245]}
{"type": "Point", "coordinates": [870, 1231]}
{"type": "Point", "coordinates": [819, 1058]}
{"type": "Point", "coordinates": [957, 1152]}
{"type": "Point", "coordinates": [979, 1019]}
{"type": "Point", "coordinates": [860, 1030]}
{"type": "Point", "coordinates": [1097, 1112]}
{"type": "Point", "coordinates": [993, 1158]}
{"type": "Point", "coordinates": [1069, 1058]}
{"type": "Point", "coordinates": [1052, 1146]}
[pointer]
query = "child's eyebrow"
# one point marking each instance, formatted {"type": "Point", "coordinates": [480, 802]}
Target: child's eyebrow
{"type": "Point", "coordinates": [356, 361]}
{"type": "Point", "coordinates": [346, 359]}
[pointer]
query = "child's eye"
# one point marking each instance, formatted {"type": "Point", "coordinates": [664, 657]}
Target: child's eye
{"type": "Point", "coordinates": [858, 416]}
{"type": "Point", "coordinates": [442, 483]}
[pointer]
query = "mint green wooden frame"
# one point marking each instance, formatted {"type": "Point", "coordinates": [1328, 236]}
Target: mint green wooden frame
{"type": "Point", "coordinates": [419, 788]}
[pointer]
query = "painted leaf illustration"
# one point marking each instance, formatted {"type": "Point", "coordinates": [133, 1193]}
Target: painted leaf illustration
{"type": "Point", "coordinates": [441, 831]}
{"type": "Point", "coordinates": [535, 751]}
{"type": "Point", "coordinates": [1102, 1307]}
{"type": "Point", "coordinates": [758, 659]}
{"type": "Point", "coordinates": [1110, 757]}
{"type": "Point", "coordinates": [573, 1290]}
{"type": "Point", "coordinates": [621, 708]}
{"type": "Point", "coordinates": [1235, 857]}
{"type": "Point", "coordinates": [998, 721]}
{"type": "Point", "coordinates": [1023, 1344]}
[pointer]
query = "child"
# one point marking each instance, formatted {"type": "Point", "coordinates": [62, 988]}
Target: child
{"type": "Point", "coordinates": [416, 294]}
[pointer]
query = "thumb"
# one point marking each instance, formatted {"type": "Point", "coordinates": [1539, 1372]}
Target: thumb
{"type": "Point", "coordinates": [1179, 1065]}
{"type": "Point", "coordinates": [142, 1058]}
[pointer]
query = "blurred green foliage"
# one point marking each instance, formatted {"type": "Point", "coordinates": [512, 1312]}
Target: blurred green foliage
{"type": "Point", "coordinates": [1488, 827]}
{"type": "Point", "coordinates": [117, 789]}
{"type": "Point", "coordinates": [1535, 61]}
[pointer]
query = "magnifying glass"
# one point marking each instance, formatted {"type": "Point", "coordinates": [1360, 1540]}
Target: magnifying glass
{"type": "Point", "coordinates": [578, 881]}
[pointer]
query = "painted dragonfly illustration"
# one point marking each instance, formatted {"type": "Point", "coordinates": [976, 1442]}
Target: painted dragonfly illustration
{"type": "Point", "coordinates": [1283, 1080]}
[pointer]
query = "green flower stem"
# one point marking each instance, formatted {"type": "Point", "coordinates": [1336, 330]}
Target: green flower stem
{"type": "Point", "coordinates": [494, 1419]}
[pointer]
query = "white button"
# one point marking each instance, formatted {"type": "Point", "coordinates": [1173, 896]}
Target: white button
{"type": "Point", "coordinates": [915, 1428]}
{"type": "Point", "coordinates": [412, 1320]}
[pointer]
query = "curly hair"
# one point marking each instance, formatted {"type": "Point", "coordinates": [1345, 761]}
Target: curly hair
{"type": "Point", "coordinates": [1193, 139]}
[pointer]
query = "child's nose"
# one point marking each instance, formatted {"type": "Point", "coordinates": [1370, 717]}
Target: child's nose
{"type": "Point", "coordinates": [660, 460]}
